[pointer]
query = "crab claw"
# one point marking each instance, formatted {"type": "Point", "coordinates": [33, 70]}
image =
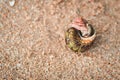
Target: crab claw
{"type": "Point", "coordinates": [81, 28]}
{"type": "Point", "coordinates": [79, 24]}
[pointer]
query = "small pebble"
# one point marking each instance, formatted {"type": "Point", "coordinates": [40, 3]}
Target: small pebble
{"type": "Point", "coordinates": [57, 2]}
{"type": "Point", "coordinates": [1, 25]}
{"type": "Point", "coordinates": [18, 65]}
{"type": "Point", "coordinates": [105, 28]}
{"type": "Point", "coordinates": [12, 3]}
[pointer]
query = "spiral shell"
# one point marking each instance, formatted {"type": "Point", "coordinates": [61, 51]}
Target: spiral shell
{"type": "Point", "coordinates": [76, 41]}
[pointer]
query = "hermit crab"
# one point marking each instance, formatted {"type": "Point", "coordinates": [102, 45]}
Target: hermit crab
{"type": "Point", "coordinates": [80, 35]}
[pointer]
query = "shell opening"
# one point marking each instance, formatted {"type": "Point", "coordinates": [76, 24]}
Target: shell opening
{"type": "Point", "coordinates": [91, 35]}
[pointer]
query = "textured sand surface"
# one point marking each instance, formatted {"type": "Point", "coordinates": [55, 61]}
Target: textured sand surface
{"type": "Point", "coordinates": [32, 45]}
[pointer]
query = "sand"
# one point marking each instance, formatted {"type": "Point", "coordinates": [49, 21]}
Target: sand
{"type": "Point", "coordinates": [32, 42]}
